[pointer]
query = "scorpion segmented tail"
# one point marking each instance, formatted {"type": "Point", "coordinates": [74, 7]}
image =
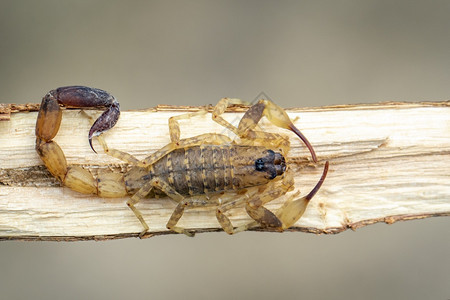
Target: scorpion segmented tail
{"type": "Point", "coordinates": [47, 126]}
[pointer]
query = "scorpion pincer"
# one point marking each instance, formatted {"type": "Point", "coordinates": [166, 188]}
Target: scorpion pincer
{"type": "Point", "coordinates": [206, 170]}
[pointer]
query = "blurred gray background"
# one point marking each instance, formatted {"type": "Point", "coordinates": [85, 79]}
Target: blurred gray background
{"type": "Point", "coordinates": [300, 53]}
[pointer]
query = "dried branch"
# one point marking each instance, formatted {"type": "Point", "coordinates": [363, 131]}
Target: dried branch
{"type": "Point", "coordinates": [388, 162]}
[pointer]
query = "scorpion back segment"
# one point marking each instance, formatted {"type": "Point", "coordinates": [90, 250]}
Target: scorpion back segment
{"type": "Point", "coordinates": [171, 170]}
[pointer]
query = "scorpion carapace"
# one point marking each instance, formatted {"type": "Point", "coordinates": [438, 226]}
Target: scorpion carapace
{"type": "Point", "coordinates": [206, 170]}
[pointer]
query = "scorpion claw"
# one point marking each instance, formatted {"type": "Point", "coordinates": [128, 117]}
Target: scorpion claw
{"type": "Point", "coordinates": [106, 121]}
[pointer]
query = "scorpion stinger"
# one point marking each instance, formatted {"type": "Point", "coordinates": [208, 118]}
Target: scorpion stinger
{"type": "Point", "coordinates": [49, 117]}
{"type": "Point", "coordinates": [106, 121]}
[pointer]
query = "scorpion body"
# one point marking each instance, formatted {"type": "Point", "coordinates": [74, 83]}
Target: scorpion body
{"type": "Point", "coordinates": [206, 170]}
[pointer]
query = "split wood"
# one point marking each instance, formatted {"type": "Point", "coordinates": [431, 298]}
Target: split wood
{"type": "Point", "coordinates": [388, 162]}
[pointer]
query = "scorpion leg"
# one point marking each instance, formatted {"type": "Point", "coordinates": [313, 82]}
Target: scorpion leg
{"type": "Point", "coordinates": [255, 205]}
{"type": "Point", "coordinates": [123, 156]}
{"type": "Point", "coordinates": [249, 136]}
{"type": "Point", "coordinates": [141, 194]}
{"type": "Point", "coordinates": [276, 115]}
{"type": "Point", "coordinates": [224, 221]}
{"type": "Point", "coordinates": [163, 186]}
{"type": "Point", "coordinates": [220, 108]}
{"type": "Point", "coordinates": [176, 142]}
{"type": "Point", "coordinates": [254, 200]}
{"type": "Point", "coordinates": [290, 212]}
{"type": "Point", "coordinates": [178, 213]}
{"type": "Point", "coordinates": [182, 204]}
{"type": "Point", "coordinates": [174, 125]}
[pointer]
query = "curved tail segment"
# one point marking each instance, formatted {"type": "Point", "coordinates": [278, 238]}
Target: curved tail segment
{"type": "Point", "coordinates": [49, 117]}
{"type": "Point", "coordinates": [47, 126]}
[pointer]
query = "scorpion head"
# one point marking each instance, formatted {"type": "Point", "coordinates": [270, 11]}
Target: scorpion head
{"type": "Point", "coordinates": [273, 164]}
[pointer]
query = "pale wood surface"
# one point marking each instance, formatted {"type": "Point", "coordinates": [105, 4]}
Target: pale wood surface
{"type": "Point", "coordinates": [388, 162]}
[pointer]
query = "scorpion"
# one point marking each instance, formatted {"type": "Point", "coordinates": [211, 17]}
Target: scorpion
{"type": "Point", "coordinates": [206, 170]}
